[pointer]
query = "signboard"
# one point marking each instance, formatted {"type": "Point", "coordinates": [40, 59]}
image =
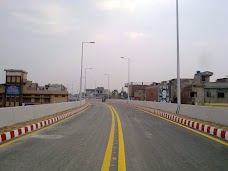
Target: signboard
{"type": "Point", "coordinates": [12, 90]}
{"type": "Point", "coordinates": [164, 93]}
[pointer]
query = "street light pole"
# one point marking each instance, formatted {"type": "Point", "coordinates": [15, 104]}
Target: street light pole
{"type": "Point", "coordinates": [178, 62]}
{"type": "Point", "coordinates": [108, 84]}
{"type": "Point", "coordinates": [80, 94]}
{"type": "Point", "coordinates": [95, 89]}
{"type": "Point", "coordinates": [128, 94]}
{"type": "Point", "coordinates": [85, 81]}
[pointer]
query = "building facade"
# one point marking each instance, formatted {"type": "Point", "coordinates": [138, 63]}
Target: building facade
{"type": "Point", "coordinates": [186, 88]}
{"type": "Point", "coordinates": [97, 93]}
{"type": "Point", "coordinates": [198, 91]}
{"type": "Point", "coordinates": [151, 92]}
{"type": "Point", "coordinates": [158, 92]}
{"type": "Point", "coordinates": [204, 91]}
{"type": "Point", "coordinates": [18, 91]}
{"type": "Point", "coordinates": [137, 90]}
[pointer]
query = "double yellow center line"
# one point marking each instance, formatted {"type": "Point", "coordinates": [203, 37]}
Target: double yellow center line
{"type": "Point", "coordinates": [121, 152]}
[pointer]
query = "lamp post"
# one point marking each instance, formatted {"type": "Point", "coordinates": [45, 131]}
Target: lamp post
{"type": "Point", "coordinates": [128, 96]}
{"type": "Point", "coordinates": [95, 93]}
{"type": "Point", "coordinates": [85, 82]}
{"type": "Point", "coordinates": [80, 94]}
{"type": "Point", "coordinates": [108, 84]}
{"type": "Point", "coordinates": [178, 62]}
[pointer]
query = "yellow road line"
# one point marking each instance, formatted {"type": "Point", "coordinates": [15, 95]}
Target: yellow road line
{"type": "Point", "coordinates": [188, 128]}
{"type": "Point", "coordinates": [108, 153]}
{"type": "Point", "coordinates": [121, 151]}
{"type": "Point", "coordinates": [41, 129]}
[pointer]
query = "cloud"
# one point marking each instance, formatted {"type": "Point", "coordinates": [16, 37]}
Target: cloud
{"type": "Point", "coordinates": [134, 35]}
{"type": "Point", "coordinates": [114, 5]}
{"type": "Point", "coordinates": [128, 5]}
{"type": "Point", "coordinates": [45, 18]}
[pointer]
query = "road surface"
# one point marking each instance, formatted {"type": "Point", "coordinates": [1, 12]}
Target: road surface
{"type": "Point", "coordinates": [118, 138]}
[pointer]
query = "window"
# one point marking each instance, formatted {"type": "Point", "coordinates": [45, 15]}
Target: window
{"type": "Point", "coordinates": [203, 78]}
{"type": "Point", "coordinates": [37, 100]}
{"type": "Point", "coordinates": [193, 94]}
{"type": "Point", "coordinates": [17, 99]}
{"type": "Point", "coordinates": [63, 95]}
{"type": "Point", "coordinates": [12, 98]}
{"type": "Point", "coordinates": [27, 100]}
{"type": "Point", "coordinates": [56, 95]}
{"type": "Point", "coordinates": [46, 100]}
{"type": "Point", "coordinates": [208, 94]}
{"type": "Point", "coordinates": [8, 80]}
{"type": "Point", "coordinates": [18, 79]}
{"type": "Point", "coordinates": [13, 79]}
{"type": "Point", "coordinates": [221, 94]}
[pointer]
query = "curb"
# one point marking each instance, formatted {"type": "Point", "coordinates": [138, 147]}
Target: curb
{"type": "Point", "coordinates": [220, 133]}
{"type": "Point", "coordinates": [30, 128]}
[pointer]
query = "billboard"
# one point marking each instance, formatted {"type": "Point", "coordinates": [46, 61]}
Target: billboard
{"type": "Point", "coordinates": [164, 93]}
{"type": "Point", "coordinates": [13, 89]}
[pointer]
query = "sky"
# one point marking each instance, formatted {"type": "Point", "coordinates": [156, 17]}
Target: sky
{"type": "Point", "coordinates": [44, 37]}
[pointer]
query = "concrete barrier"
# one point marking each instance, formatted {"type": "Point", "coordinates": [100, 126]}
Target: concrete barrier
{"type": "Point", "coordinates": [212, 114]}
{"type": "Point", "coordinates": [217, 115]}
{"type": "Point", "coordinates": [12, 115]}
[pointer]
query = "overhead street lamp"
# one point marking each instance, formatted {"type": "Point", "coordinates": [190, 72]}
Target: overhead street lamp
{"type": "Point", "coordinates": [85, 81]}
{"type": "Point", "coordinates": [178, 63]}
{"type": "Point", "coordinates": [128, 96]}
{"type": "Point", "coordinates": [108, 84]}
{"type": "Point", "coordinates": [80, 94]}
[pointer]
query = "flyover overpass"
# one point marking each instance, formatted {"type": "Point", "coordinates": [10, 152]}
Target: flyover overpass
{"type": "Point", "coordinates": [113, 136]}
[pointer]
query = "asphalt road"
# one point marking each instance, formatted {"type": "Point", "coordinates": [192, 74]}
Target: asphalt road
{"type": "Point", "coordinates": [80, 143]}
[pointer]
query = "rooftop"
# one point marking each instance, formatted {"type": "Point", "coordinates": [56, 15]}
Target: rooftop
{"type": "Point", "coordinates": [16, 70]}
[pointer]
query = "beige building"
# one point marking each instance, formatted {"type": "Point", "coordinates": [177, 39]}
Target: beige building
{"type": "Point", "coordinates": [18, 91]}
{"type": "Point", "coordinates": [204, 91]}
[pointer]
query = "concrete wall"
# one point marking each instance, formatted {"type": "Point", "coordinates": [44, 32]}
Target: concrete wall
{"type": "Point", "coordinates": [13, 115]}
{"type": "Point", "coordinates": [217, 115]}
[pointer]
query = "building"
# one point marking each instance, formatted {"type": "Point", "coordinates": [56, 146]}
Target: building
{"type": "Point", "coordinates": [137, 90]}
{"type": "Point", "coordinates": [97, 93]}
{"type": "Point", "coordinates": [193, 91]}
{"type": "Point", "coordinates": [151, 92]}
{"type": "Point", "coordinates": [74, 97]}
{"type": "Point", "coordinates": [204, 91]}
{"type": "Point", "coordinates": [158, 92]}
{"type": "Point", "coordinates": [186, 88]}
{"type": "Point", "coordinates": [18, 91]}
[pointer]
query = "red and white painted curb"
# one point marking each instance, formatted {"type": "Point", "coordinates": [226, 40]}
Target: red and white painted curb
{"type": "Point", "coordinates": [192, 124]}
{"type": "Point", "coordinates": [21, 131]}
